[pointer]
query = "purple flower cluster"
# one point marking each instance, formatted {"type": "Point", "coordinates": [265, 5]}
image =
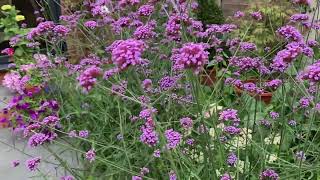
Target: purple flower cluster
{"type": "Point", "coordinates": [274, 115]}
{"type": "Point", "coordinates": [186, 122]}
{"type": "Point", "coordinates": [274, 84]}
{"type": "Point", "coordinates": [146, 10]}
{"type": "Point", "coordinates": [290, 33]}
{"type": "Point", "coordinates": [90, 24]}
{"type": "Point", "coordinates": [119, 89]}
{"type": "Point", "coordinates": [15, 163]}
{"type": "Point", "coordinates": [33, 163]}
{"type": "Point", "coordinates": [312, 72]}
{"type": "Point", "coordinates": [229, 115]}
{"type": "Point", "coordinates": [238, 14]}
{"type": "Point", "coordinates": [51, 120]}
{"type": "Point", "coordinates": [91, 155]}
{"type": "Point", "coordinates": [247, 46]}
{"type": "Point", "coordinates": [166, 83]}
{"type": "Point", "coordinates": [245, 63]}
{"type": "Point", "coordinates": [37, 139]}
{"type": "Point", "coordinates": [225, 176]}
{"type": "Point", "coordinates": [149, 136]}
{"type": "Point", "coordinates": [290, 53]}
{"type": "Point", "coordinates": [144, 32]}
{"type": "Point", "coordinates": [232, 159]}
{"type": "Point", "coordinates": [269, 174]}
{"type": "Point", "coordinates": [173, 138]}
{"type": "Point", "coordinates": [265, 123]}
{"type": "Point", "coordinates": [173, 28]}
{"type": "Point", "coordinates": [193, 56]}
{"type": "Point", "coordinates": [67, 178]}
{"type": "Point", "coordinates": [48, 29]}
{"type": "Point", "coordinates": [256, 15]}
{"type": "Point", "coordinates": [88, 78]}
{"type": "Point", "coordinates": [127, 52]}
{"type": "Point", "coordinates": [15, 82]}
{"type": "Point", "coordinates": [305, 101]}
{"type": "Point", "coordinates": [299, 17]}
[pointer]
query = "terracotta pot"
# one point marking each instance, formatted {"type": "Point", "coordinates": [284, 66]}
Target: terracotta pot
{"type": "Point", "coordinates": [4, 119]}
{"type": "Point", "coordinates": [209, 77]}
{"type": "Point", "coordinates": [2, 74]}
{"type": "Point", "coordinates": [266, 97]}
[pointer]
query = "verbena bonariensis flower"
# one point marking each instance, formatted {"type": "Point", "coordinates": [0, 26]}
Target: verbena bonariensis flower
{"type": "Point", "coordinates": [223, 28]}
{"type": "Point", "coordinates": [290, 33]}
{"type": "Point", "coordinates": [157, 153]}
{"type": "Point", "coordinates": [290, 53]}
{"type": "Point", "coordinates": [312, 43]}
{"type": "Point", "coordinates": [245, 63]}
{"type": "Point", "coordinates": [136, 178]}
{"type": "Point", "coordinates": [256, 15]}
{"type": "Point", "coordinates": [119, 89]}
{"type": "Point", "coordinates": [192, 56]}
{"type": "Point", "coordinates": [269, 174]}
{"type": "Point", "coordinates": [173, 28]}
{"type": "Point", "coordinates": [15, 163]}
{"type": "Point", "coordinates": [146, 10]}
{"type": "Point", "coordinates": [149, 136]}
{"type": "Point", "coordinates": [299, 17]}
{"type": "Point", "coordinates": [127, 52]}
{"type": "Point", "coordinates": [265, 123]}
{"type": "Point", "coordinates": [247, 46]}
{"type": "Point", "coordinates": [232, 159]}
{"type": "Point", "coordinates": [167, 83]}
{"type": "Point", "coordinates": [51, 120]}
{"type": "Point", "coordinates": [305, 101]}
{"type": "Point", "coordinates": [90, 155]}
{"type": "Point", "coordinates": [43, 62]}
{"type": "Point", "coordinates": [147, 84]}
{"type": "Point", "coordinates": [312, 72]}
{"type": "Point", "coordinates": [61, 30]}
{"type": "Point", "coordinates": [33, 163]}
{"type": "Point", "coordinates": [123, 3]}
{"type": "Point", "coordinates": [144, 171]}
{"type": "Point", "coordinates": [90, 24]}
{"type": "Point", "coordinates": [292, 123]}
{"type": "Point", "coordinates": [274, 84]}
{"type": "Point", "coordinates": [172, 175]}
{"type": "Point", "coordinates": [67, 178]}
{"type": "Point", "coordinates": [15, 82]}
{"type": "Point", "coordinates": [274, 115]}
{"type": "Point", "coordinates": [147, 113]}
{"type": "Point", "coordinates": [225, 176]}
{"type": "Point", "coordinates": [173, 138]}
{"type": "Point", "coordinates": [186, 122]}
{"type": "Point", "coordinates": [229, 115]}
{"type": "Point", "coordinates": [83, 133]}
{"type": "Point", "coordinates": [87, 79]}
{"type": "Point", "coordinates": [144, 32]}
{"type": "Point", "coordinates": [238, 14]}
{"type": "Point", "coordinates": [37, 139]}
{"type": "Point", "coordinates": [43, 28]}
{"type": "Point", "coordinates": [232, 130]}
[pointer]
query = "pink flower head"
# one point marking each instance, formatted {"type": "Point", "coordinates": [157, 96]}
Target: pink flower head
{"type": "Point", "coordinates": [33, 163]}
{"type": "Point", "coordinates": [173, 138]}
{"type": "Point", "coordinates": [8, 51]}
{"type": "Point", "coordinates": [256, 15]}
{"type": "Point", "coordinates": [127, 52]}
{"type": "Point", "coordinates": [88, 77]}
{"type": "Point", "coordinates": [91, 155]}
{"type": "Point", "coordinates": [193, 56]}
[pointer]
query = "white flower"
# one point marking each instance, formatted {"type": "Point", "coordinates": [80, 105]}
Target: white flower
{"type": "Point", "coordinates": [272, 158]}
{"type": "Point", "coordinates": [212, 132]}
{"type": "Point", "coordinates": [276, 139]}
{"type": "Point", "coordinates": [104, 10]}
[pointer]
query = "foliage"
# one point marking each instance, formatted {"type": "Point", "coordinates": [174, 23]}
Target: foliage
{"type": "Point", "coordinates": [209, 12]}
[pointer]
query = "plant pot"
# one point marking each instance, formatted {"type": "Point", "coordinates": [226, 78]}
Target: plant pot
{"type": "Point", "coordinates": [4, 119]}
{"type": "Point", "coordinates": [208, 77]}
{"type": "Point", "coordinates": [266, 97]}
{"type": "Point", "coordinates": [32, 90]}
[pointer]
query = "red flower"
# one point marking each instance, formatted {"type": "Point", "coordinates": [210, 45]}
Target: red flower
{"type": "Point", "coordinates": [8, 51]}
